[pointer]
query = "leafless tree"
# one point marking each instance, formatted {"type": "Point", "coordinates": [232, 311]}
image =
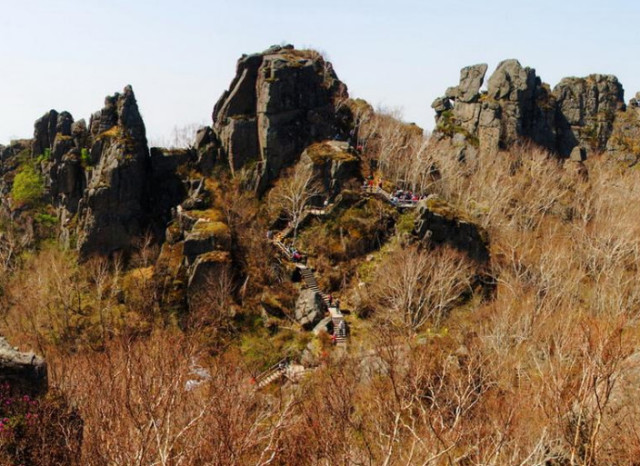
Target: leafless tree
{"type": "Point", "coordinates": [416, 286]}
{"type": "Point", "coordinates": [293, 193]}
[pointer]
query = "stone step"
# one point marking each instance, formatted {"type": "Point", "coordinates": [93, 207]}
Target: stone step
{"type": "Point", "coordinates": [271, 378]}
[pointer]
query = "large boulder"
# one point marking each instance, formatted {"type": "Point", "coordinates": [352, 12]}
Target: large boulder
{"type": "Point", "coordinates": [471, 79]}
{"type": "Point", "coordinates": [279, 102]}
{"type": "Point", "coordinates": [310, 309]}
{"type": "Point", "coordinates": [206, 271]}
{"type": "Point", "coordinates": [26, 373]}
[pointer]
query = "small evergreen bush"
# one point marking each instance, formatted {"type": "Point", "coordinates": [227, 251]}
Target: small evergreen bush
{"type": "Point", "coordinates": [28, 186]}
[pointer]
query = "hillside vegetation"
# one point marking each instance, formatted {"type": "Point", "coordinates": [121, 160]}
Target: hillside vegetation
{"type": "Point", "coordinates": [491, 320]}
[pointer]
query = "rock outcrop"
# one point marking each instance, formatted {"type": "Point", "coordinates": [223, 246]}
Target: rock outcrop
{"type": "Point", "coordinates": [25, 373]}
{"type": "Point", "coordinates": [98, 176]}
{"type": "Point", "coordinates": [113, 209]}
{"type": "Point", "coordinates": [310, 309]}
{"type": "Point", "coordinates": [9, 161]}
{"type": "Point", "coordinates": [336, 166]}
{"type": "Point", "coordinates": [471, 79]}
{"type": "Point", "coordinates": [58, 143]}
{"type": "Point", "coordinates": [624, 143]}
{"type": "Point", "coordinates": [440, 223]}
{"type": "Point", "coordinates": [586, 108]}
{"type": "Point", "coordinates": [280, 101]}
{"type": "Point", "coordinates": [517, 106]}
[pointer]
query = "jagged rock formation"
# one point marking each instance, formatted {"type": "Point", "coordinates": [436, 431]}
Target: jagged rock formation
{"type": "Point", "coordinates": [440, 223]}
{"type": "Point", "coordinates": [24, 372]}
{"type": "Point", "coordinates": [58, 142]}
{"type": "Point", "coordinates": [518, 106]}
{"type": "Point", "coordinates": [113, 209]}
{"type": "Point", "coordinates": [207, 149]}
{"type": "Point", "coordinates": [198, 239]}
{"type": "Point", "coordinates": [98, 177]}
{"type": "Point", "coordinates": [471, 79]}
{"type": "Point", "coordinates": [279, 102]}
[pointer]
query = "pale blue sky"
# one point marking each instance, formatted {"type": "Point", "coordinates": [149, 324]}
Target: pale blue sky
{"type": "Point", "coordinates": [180, 55]}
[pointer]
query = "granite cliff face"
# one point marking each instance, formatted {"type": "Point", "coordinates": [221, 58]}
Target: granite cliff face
{"type": "Point", "coordinates": [97, 176]}
{"type": "Point", "coordinates": [113, 209]}
{"type": "Point", "coordinates": [280, 101]}
{"type": "Point", "coordinates": [517, 106]}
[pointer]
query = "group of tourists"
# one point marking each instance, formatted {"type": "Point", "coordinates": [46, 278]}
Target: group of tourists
{"type": "Point", "coordinates": [296, 256]}
{"type": "Point", "coordinates": [402, 197]}
{"type": "Point", "coordinates": [399, 196]}
{"type": "Point", "coordinates": [333, 302]}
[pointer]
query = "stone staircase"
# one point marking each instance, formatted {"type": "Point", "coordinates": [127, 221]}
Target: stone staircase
{"type": "Point", "coordinates": [272, 374]}
{"type": "Point", "coordinates": [339, 326]}
{"type": "Point", "coordinates": [337, 318]}
{"type": "Point", "coordinates": [310, 281]}
{"type": "Point", "coordinates": [284, 368]}
{"type": "Point", "coordinates": [308, 212]}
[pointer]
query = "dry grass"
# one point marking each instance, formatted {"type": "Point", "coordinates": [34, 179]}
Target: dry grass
{"type": "Point", "coordinates": [545, 371]}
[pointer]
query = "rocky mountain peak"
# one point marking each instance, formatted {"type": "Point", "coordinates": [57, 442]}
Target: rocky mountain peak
{"type": "Point", "coordinates": [279, 102]}
{"type": "Point", "coordinates": [517, 106]}
{"type": "Point", "coordinates": [113, 206]}
{"type": "Point", "coordinates": [121, 110]}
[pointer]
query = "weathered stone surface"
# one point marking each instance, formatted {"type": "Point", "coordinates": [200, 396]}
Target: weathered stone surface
{"type": "Point", "coordinates": [240, 139]}
{"type": "Point", "coordinates": [514, 88]}
{"type": "Point", "coordinates": [587, 107]}
{"type": "Point", "coordinates": [204, 272]}
{"type": "Point", "coordinates": [207, 148]}
{"type": "Point", "coordinates": [166, 188]}
{"type": "Point", "coordinates": [438, 223]}
{"type": "Point", "coordinates": [64, 123]}
{"type": "Point", "coordinates": [44, 133]}
{"type": "Point", "coordinates": [113, 209]}
{"type": "Point", "coordinates": [624, 143]}
{"type": "Point", "coordinates": [335, 166]}
{"type": "Point", "coordinates": [279, 102]}
{"type": "Point", "coordinates": [467, 116]}
{"type": "Point", "coordinates": [206, 236]}
{"type": "Point", "coordinates": [24, 372]}
{"type": "Point", "coordinates": [510, 80]}
{"type": "Point", "coordinates": [67, 181]}
{"type": "Point", "coordinates": [441, 104]}
{"type": "Point", "coordinates": [451, 93]}
{"type": "Point", "coordinates": [518, 107]}
{"type": "Point", "coordinates": [471, 79]}
{"type": "Point", "coordinates": [310, 309]}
